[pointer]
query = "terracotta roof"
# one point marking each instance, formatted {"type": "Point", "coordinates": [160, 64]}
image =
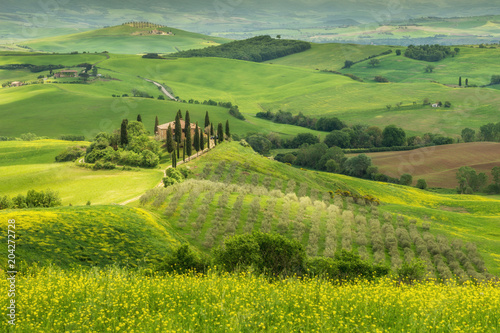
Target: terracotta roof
{"type": "Point", "coordinates": [172, 124]}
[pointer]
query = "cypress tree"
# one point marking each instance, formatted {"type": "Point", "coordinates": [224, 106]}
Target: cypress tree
{"type": "Point", "coordinates": [196, 140]}
{"type": "Point", "coordinates": [184, 151]}
{"type": "Point", "coordinates": [124, 133]}
{"type": "Point", "coordinates": [466, 82]}
{"type": "Point", "coordinates": [170, 140]}
{"type": "Point", "coordinates": [220, 133]}
{"type": "Point", "coordinates": [207, 120]}
{"type": "Point", "coordinates": [179, 113]}
{"type": "Point", "coordinates": [460, 81]}
{"type": "Point", "coordinates": [156, 126]}
{"type": "Point", "coordinates": [212, 133]}
{"type": "Point", "coordinates": [139, 118]}
{"type": "Point", "coordinates": [178, 148]}
{"type": "Point", "coordinates": [174, 161]}
{"type": "Point", "coordinates": [187, 130]}
{"type": "Point", "coordinates": [202, 140]}
{"type": "Point", "coordinates": [178, 129]}
{"type": "Point", "coordinates": [227, 129]}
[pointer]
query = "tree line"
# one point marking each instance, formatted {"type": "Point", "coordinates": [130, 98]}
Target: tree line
{"type": "Point", "coordinates": [469, 181]}
{"type": "Point", "coordinates": [488, 132]}
{"type": "Point", "coordinates": [257, 49]}
{"type": "Point", "coordinates": [32, 199]}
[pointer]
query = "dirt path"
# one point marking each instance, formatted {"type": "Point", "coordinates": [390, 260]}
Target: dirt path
{"type": "Point", "coordinates": [165, 174]}
{"type": "Point", "coordinates": [162, 88]}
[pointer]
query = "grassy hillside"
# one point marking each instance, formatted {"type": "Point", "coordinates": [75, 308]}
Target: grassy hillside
{"type": "Point", "coordinates": [268, 86]}
{"type": "Point", "coordinates": [89, 236]}
{"type": "Point", "coordinates": [439, 165]}
{"type": "Point", "coordinates": [416, 31]}
{"type": "Point", "coordinates": [125, 39]}
{"type": "Point", "coordinates": [329, 56]}
{"type": "Point", "coordinates": [256, 87]}
{"type": "Point", "coordinates": [30, 165]}
{"type": "Point", "coordinates": [269, 196]}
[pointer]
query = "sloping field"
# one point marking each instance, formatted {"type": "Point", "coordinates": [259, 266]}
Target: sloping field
{"type": "Point", "coordinates": [95, 235]}
{"type": "Point", "coordinates": [30, 165]}
{"type": "Point", "coordinates": [439, 165]}
{"type": "Point", "coordinates": [468, 218]}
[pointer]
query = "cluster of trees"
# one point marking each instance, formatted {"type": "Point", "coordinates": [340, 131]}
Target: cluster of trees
{"type": "Point", "coordinates": [233, 109]}
{"type": "Point", "coordinates": [275, 256]}
{"type": "Point", "coordinates": [23, 137]}
{"type": "Point", "coordinates": [174, 139]}
{"type": "Point", "coordinates": [488, 132]}
{"type": "Point", "coordinates": [469, 181]}
{"type": "Point", "coordinates": [349, 63]}
{"type": "Point", "coordinates": [430, 52]}
{"type": "Point", "coordinates": [32, 68]}
{"type": "Point", "coordinates": [139, 93]}
{"type": "Point", "coordinates": [70, 154]}
{"type": "Point", "coordinates": [257, 49]}
{"type": "Point", "coordinates": [321, 124]}
{"type": "Point", "coordinates": [32, 199]}
{"type": "Point", "coordinates": [130, 145]}
{"type": "Point", "coordinates": [152, 56]}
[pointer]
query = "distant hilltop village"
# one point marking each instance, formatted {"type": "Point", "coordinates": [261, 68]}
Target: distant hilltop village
{"type": "Point", "coordinates": [155, 29]}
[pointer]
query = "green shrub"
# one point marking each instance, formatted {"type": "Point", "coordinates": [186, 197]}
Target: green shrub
{"type": "Point", "coordinates": [70, 154]}
{"type": "Point", "coordinates": [421, 184]}
{"type": "Point", "coordinates": [175, 174]}
{"type": "Point", "coordinates": [149, 159]}
{"type": "Point", "coordinates": [183, 260]}
{"type": "Point", "coordinates": [271, 254]}
{"type": "Point", "coordinates": [345, 266]}
{"type": "Point", "coordinates": [168, 181]}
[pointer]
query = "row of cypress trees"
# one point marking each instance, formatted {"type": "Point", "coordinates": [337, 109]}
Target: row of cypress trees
{"type": "Point", "coordinates": [174, 136]}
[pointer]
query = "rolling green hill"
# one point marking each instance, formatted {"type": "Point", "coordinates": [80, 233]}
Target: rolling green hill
{"type": "Point", "coordinates": [88, 236]}
{"type": "Point", "coordinates": [236, 191]}
{"type": "Point", "coordinates": [126, 39]}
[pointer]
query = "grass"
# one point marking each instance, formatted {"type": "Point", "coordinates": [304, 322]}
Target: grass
{"type": "Point", "coordinates": [438, 165]}
{"type": "Point", "coordinates": [88, 236]}
{"type": "Point", "coordinates": [124, 39]}
{"type": "Point", "coordinates": [124, 300]}
{"type": "Point", "coordinates": [30, 165]}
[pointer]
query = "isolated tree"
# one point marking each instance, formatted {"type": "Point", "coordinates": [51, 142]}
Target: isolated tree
{"type": "Point", "coordinates": [457, 50]}
{"type": "Point", "coordinates": [406, 179]}
{"type": "Point", "coordinates": [466, 82]}
{"type": "Point", "coordinates": [220, 133]}
{"type": "Point", "coordinates": [124, 133]}
{"type": "Point", "coordinates": [228, 133]}
{"type": "Point", "coordinates": [139, 118]}
{"type": "Point", "coordinates": [429, 68]}
{"type": "Point", "coordinates": [468, 135]}
{"type": "Point", "coordinates": [156, 126]}
{"type": "Point", "coordinates": [398, 52]}
{"type": "Point", "coordinates": [196, 139]}
{"type": "Point", "coordinates": [374, 62]}
{"type": "Point", "coordinates": [421, 184]}
{"type": "Point", "coordinates": [187, 131]}
{"type": "Point", "coordinates": [207, 120]}
{"type": "Point", "coordinates": [348, 63]}
{"type": "Point", "coordinates": [460, 81]}
{"type": "Point", "coordinates": [170, 140]}
{"type": "Point", "coordinates": [447, 104]}
{"type": "Point", "coordinates": [212, 132]}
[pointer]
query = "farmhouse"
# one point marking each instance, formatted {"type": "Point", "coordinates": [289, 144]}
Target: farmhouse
{"type": "Point", "coordinates": [16, 84]}
{"type": "Point", "coordinates": [66, 73]}
{"type": "Point", "coordinates": [162, 130]}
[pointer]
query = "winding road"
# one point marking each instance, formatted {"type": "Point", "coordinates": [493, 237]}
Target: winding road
{"type": "Point", "coordinates": [162, 88]}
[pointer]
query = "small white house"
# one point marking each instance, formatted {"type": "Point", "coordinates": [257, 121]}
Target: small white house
{"type": "Point", "coordinates": [435, 105]}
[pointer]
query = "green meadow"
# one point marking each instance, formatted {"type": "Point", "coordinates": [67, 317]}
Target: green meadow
{"type": "Point", "coordinates": [30, 165]}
